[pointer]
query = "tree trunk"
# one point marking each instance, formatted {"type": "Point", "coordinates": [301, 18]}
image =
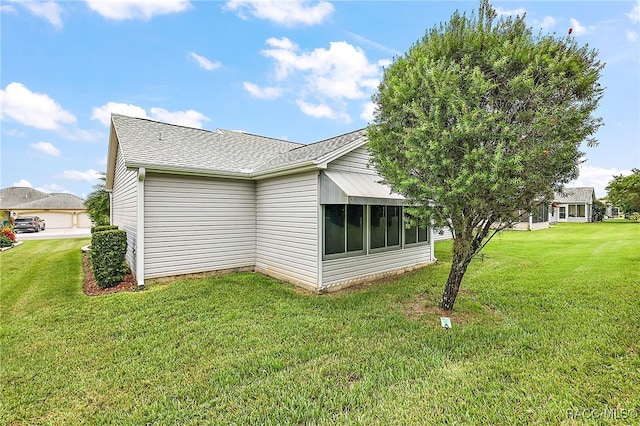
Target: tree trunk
{"type": "Point", "coordinates": [458, 268]}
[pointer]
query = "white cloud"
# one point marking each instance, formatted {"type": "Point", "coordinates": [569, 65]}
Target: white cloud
{"type": "Point", "coordinates": [323, 79]}
{"type": "Point", "coordinates": [53, 187]}
{"type": "Point", "coordinates": [597, 177]}
{"type": "Point", "coordinates": [318, 111]}
{"type": "Point", "coordinates": [103, 113]}
{"type": "Point", "coordinates": [137, 9]}
{"type": "Point", "coordinates": [578, 28]}
{"type": "Point", "coordinates": [32, 109]}
{"type": "Point", "coordinates": [632, 35]}
{"type": "Point", "coordinates": [515, 12]}
{"type": "Point", "coordinates": [48, 10]}
{"type": "Point", "coordinates": [368, 111]}
{"type": "Point", "coordinates": [203, 62]}
{"type": "Point", "coordinates": [342, 71]}
{"type": "Point", "coordinates": [46, 148]}
{"type": "Point", "coordinates": [288, 13]}
{"type": "Point", "coordinates": [547, 23]}
{"type": "Point", "coordinates": [88, 175]}
{"type": "Point", "coordinates": [23, 183]}
{"type": "Point", "coordinates": [189, 118]}
{"type": "Point", "coordinates": [6, 8]}
{"type": "Point", "coordinates": [262, 92]}
{"type": "Point", "coordinates": [634, 14]}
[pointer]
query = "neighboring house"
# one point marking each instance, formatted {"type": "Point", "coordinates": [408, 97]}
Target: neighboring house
{"type": "Point", "coordinates": [58, 210]}
{"type": "Point", "coordinates": [532, 221]}
{"type": "Point", "coordinates": [573, 205]}
{"type": "Point", "coordinates": [195, 201]}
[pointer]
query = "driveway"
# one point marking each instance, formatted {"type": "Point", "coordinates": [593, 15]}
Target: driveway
{"type": "Point", "coordinates": [54, 234]}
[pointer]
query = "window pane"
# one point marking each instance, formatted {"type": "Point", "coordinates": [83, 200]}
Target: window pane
{"type": "Point", "coordinates": [355, 228]}
{"type": "Point", "coordinates": [423, 235]}
{"type": "Point", "coordinates": [573, 211]}
{"type": "Point", "coordinates": [333, 229]}
{"type": "Point", "coordinates": [393, 226]}
{"type": "Point", "coordinates": [377, 226]}
{"type": "Point", "coordinates": [581, 210]}
{"type": "Point", "coordinates": [410, 235]}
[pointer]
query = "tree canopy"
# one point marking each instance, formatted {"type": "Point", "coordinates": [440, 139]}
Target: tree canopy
{"type": "Point", "coordinates": [480, 118]}
{"type": "Point", "coordinates": [98, 203]}
{"type": "Point", "coordinates": [624, 191]}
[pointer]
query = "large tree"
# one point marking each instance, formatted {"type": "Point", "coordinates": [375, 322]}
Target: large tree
{"type": "Point", "coordinates": [624, 191]}
{"type": "Point", "coordinates": [480, 118]}
{"type": "Point", "coordinates": [98, 203]}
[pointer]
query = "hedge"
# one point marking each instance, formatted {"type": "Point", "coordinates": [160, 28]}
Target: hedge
{"type": "Point", "coordinates": [101, 228]}
{"type": "Point", "coordinates": [108, 249]}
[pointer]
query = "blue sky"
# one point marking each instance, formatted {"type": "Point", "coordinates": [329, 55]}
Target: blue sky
{"type": "Point", "coordinates": [302, 71]}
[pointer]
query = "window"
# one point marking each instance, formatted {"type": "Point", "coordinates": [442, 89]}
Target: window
{"type": "Point", "coordinates": [343, 228]}
{"type": "Point", "coordinates": [346, 232]}
{"type": "Point", "coordinates": [384, 226]}
{"type": "Point", "coordinates": [416, 234]}
{"type": "Point", "coordinates": [576, 210]}
{"type": "Point", "coordinates": [563, 213]}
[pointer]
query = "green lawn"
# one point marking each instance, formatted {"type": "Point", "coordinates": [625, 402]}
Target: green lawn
{"type": "Point", "coordinates": [546, 326]}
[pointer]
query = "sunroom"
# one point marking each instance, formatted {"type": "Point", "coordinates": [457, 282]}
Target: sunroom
{"type": "Point", "coordinates": [365, 228]}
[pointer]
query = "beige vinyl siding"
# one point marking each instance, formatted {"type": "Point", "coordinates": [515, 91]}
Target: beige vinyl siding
{"type": "Point", "coordinates": [195, 225]}
{"type": "Point", "coordinates": [343, 270]}
{"type": "Point", "coordinates": [355, 161]}
{"type": "Point", "coordinates": [287, 229]}
{"type": "Point", "coordinates": [124, 205]}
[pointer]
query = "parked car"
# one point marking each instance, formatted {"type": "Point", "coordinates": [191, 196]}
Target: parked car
{"type": "Point", "coordinates": [29, 223]}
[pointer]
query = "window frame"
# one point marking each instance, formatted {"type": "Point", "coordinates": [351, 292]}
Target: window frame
{"type": "Point", "coordinates": [344, 253]}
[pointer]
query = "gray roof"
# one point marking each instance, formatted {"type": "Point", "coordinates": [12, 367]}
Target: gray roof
{"type": "Point", "coordinates": [169, 147]}
{"type": "Point", "coordinates": [29, 198]}
{"type": "Point", "coordinates": [55, 201]}
{"type": "Point", "coordinates": [575, 195]}
{"type": "Point", "coordinates": [311, 152]}
{"type": "Point", "coordinates": [17, 195]}
{"type": "Point", "coordinates": [148, 143]}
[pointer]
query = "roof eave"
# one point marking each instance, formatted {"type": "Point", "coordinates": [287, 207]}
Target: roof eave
{"type": "Point", "coordinates": [111, 156]}
{"type": "Point", "coordinates": [223, 174]}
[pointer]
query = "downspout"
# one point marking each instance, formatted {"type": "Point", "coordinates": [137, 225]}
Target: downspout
{"type": "Point", "coordinates": [140, 228]}
{"type": "Point", "coordinates": [432, 242]}
{"type": "Point", "coordinates": [320, 244]}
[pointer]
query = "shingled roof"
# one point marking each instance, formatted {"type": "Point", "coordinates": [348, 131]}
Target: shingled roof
{"type": "Point", "coordinates": [148, 143]}
{"type": "Point", "coordinates": [168, 147]}
{"type": "Point", "coordinates": [575, 195]}
{"type": "Point", "coordinates": [18, 197]}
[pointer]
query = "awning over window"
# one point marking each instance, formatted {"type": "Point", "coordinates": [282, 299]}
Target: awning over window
{"type": "Point", "coordinates": [338, 187]}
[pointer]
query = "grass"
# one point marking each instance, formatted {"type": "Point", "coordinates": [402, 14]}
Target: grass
{"type": "Point", "coordinates": [545, 331]}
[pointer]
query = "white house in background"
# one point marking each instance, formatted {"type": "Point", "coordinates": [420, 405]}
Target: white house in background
{"type": "Point", "coordinates": [573, 205]}
{"type": "Point", "coordinates": [60, 211]}
{"type": "Point", "coordinates": [196, 201]}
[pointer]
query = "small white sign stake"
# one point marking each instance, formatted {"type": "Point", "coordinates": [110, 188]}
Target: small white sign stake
{"type": "Point", "coordinates": [445, 322]}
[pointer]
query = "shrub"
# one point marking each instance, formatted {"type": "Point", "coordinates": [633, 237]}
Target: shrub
{"type": "Point", "coordinates": [102, 228]}
{"type": "Point", "coordinates": [634, 216]}
{"type": "Point", "coordinates": [5, 241]}
{"type": "Point", "coordinates": [8, 232]}
{"type": "Point", "coordinates": [108, 249]}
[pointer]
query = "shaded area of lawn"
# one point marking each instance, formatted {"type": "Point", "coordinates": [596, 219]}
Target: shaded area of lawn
{"type": "Point", "coordinates": [548, 322]}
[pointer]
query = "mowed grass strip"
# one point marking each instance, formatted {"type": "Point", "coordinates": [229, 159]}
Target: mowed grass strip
{"type": "Point", "coordinates": [546, 327]}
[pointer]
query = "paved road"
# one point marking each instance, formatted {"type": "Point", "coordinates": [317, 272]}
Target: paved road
{"type": "Point", "coordinates": [54, 234]}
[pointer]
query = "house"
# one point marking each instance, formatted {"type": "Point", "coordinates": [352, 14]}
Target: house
{"type": "Point", "coordinates": [573, 205]}
{"type": "Point", "coordinates": [532, 221]}
{"type": "Point", "coordinates": [60, 211]}
{"type": "Point", "coordinates": [195, 201]}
